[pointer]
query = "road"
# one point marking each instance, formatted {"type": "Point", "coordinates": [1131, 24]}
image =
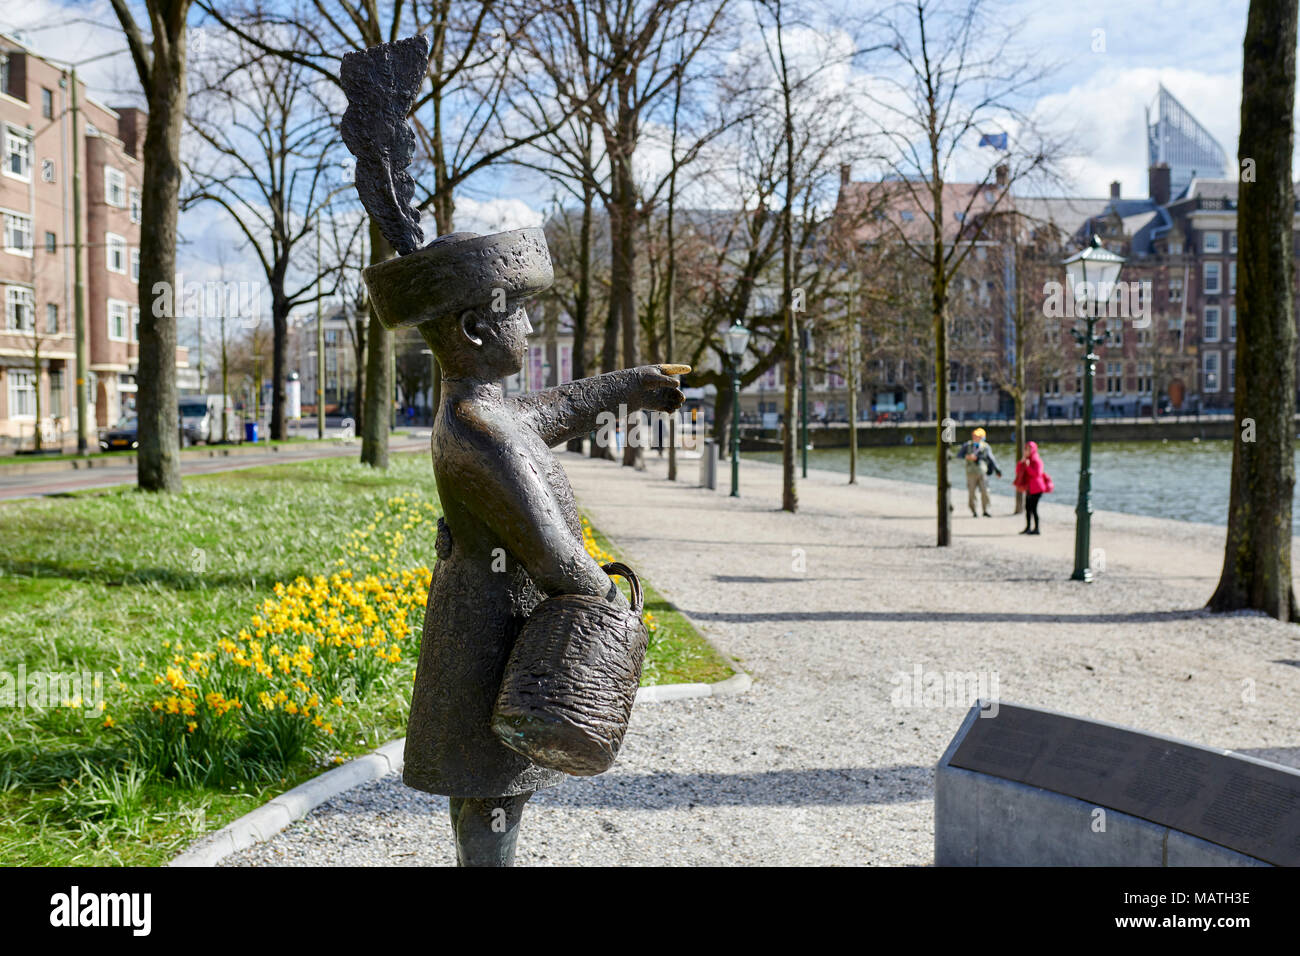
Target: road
{"type": "Point", "coordinates": [35, 485]}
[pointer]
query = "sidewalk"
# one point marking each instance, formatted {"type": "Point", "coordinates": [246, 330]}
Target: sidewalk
{"type": "Point", "coordinates": [17, 481]}
{"type": "Point", "coordinates": [816, 764]}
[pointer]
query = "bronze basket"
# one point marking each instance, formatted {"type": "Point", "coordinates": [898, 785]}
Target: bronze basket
{"type": "Point", "coordinates": [571, 680]}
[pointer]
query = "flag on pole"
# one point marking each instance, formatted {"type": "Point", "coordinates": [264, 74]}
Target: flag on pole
{"type": "Point", "coordinates": [996, 140]}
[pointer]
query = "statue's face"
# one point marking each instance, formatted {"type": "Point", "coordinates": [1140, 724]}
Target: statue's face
{"type": "Point", "coordinates": [499, 340]}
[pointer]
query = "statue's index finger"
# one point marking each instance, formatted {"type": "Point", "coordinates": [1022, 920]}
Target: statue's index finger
{"type": "Point", "coordinates": [674, 369]}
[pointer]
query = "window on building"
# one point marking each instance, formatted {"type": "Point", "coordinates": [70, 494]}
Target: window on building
{"type": "Point", "coordinates": [135, 265]}
{"type": "Point", "coordinates": [1143, 338]}
{"type": "Point", "coordinates": [20, 309]}
{"type": "Point", "coordinates": [114, 187]}
{"type": "Point", "coordinates": [22, 393]}
{"type": "Point", "coordinates": [1213, 278]}
{"type": "Point", "coordinates": [18, 153]}
{"type": "Point", "coordinates": [1175, 290]}
{"type": "Point", "coordinates": [1232, 323]}
{"type": "Point", "coordinates": [1210, 371]}
{"type": "Point", "coordinates": [47, 103]}
{"type": "Point", "coordinates": [1114, 378]}
{"type": "Point", "coordinates": [1210, 331]}
{"type": "Point", "coordinates": [1232, 277]}
{"type": "Point", "coordinates": [1212, 242]}
{"type": "Point", "coordinates": [1232, 242]}
{"type": "Point", "coordinates": [4, 72]}
{"type": "Point", "coordinates": [18, 234]}
{"type": "Point", "coordinates": [1232, 371]}
{"type": "Point", "coordinates": [135, 204]}
{"type": "Point", "coordinates": [56, 392]}
{"type": "Point", "coordinates": [117, 312]}
{"type": "Point", "coordinates": [133, 316]}
{"type": "Point", "coordinates": [1052, 386]}
{"type": "Point", "coordinates": [51, 319]}
{"type": "Point", "coordinates": [907, 215]}
{"type": "Point", "coordinates": [115, 247]}
{"type": "Point", "coordinates": [51, 242]}
{"type": "Point", "coordinates": [1145, 377]}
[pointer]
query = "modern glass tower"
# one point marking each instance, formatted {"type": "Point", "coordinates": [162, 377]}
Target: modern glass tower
{"type": "Point", "coordinates": [1176, 138]}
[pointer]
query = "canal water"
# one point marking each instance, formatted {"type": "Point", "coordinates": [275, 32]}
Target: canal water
{"type": "Point", "coordinates": [1184, 480]}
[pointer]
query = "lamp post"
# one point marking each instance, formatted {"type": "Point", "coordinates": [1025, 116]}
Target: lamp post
{"type": "Point", "coordinates": [1092, 272]}
{"type": "Point", "coordinates": [737, 339]}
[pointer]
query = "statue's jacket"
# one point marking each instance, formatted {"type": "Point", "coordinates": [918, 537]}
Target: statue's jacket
{"type": "Point", "coordinates": [480, 596]}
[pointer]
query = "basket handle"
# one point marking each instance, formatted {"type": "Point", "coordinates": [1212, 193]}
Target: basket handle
{"type": "Point", "coordinates": [621, 569]}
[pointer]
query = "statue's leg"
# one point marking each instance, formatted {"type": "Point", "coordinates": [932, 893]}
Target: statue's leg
{"type": "Point", "coordinates": [487, 829]}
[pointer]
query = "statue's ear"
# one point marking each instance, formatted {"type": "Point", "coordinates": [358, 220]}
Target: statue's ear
{"type": "Point", "coordinates": [469, 326]}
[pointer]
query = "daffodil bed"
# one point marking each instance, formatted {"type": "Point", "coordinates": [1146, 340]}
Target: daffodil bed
{"type": "Point", "coordinates": [234, 640]}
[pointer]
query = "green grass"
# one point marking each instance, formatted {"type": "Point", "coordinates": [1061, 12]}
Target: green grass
{"type": "Point", "coordinates": [97, 581]}
{"type": "Point", "coordinates": [678, 654]}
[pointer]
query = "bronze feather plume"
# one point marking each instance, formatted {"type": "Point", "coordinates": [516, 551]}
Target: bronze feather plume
{"type": "Point", "coordinates": [381, 85]}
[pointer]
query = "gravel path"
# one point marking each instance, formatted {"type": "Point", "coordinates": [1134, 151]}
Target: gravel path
{"type": "Point", "coordinates": [831, 611]}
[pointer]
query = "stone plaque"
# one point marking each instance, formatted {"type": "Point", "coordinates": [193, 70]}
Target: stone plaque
{"type": "Point", "coordinates": [1221, 797]}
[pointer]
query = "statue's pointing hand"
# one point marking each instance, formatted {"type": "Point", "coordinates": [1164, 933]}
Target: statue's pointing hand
{"type": "Point", "coordinates": [660, 391]}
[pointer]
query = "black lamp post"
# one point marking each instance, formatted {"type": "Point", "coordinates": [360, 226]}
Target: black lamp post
{"type": "Point", "coordinates": [737, 339]}
{"type": "Point", "coordinates": [1092, 274]}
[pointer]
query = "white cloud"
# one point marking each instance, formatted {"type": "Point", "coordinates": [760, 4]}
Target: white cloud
{"type": "Point", "coordinates": [1106, 114]}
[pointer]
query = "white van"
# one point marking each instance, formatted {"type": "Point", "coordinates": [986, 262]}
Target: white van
{"type": "Point", "coordinates": [201, 418]}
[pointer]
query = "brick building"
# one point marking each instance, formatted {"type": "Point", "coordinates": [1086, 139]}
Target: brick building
{"type": "Point", "coordinates": [37, 331]}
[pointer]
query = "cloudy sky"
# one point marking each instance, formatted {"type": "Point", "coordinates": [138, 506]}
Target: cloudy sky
{"type": "Point", "coordinates": [1109, 55]}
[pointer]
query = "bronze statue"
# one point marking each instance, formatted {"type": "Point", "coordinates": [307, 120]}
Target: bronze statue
{"type": "Point", "coordinates": [510, 535]}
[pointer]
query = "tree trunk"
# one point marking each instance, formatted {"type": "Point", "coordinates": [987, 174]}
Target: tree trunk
{"type": "Point", "coordinates": [1020, 366]}
{"type": "Point", "coordinates": [379, 371]}
{"type": "Point", "coordinates": [359, 391]}
{"type": "Point", "coordinates": [1257, 556]}
{"type": "Point", "coordinates": [582, 301]}
{"type": "Point", "coordinates": [623, 288]}
{"type": "Point", "coordinates": [157, 407]}
{"type": "Point", "coordinates": [722, 418]}
{"type": "Point", "coordinates": [279, 346]}
{"type": "Point", "coordinates": [789, 491]}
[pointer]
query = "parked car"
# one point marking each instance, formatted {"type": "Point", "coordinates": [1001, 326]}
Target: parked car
{"type": "Point", "coordinates": [122, 436]}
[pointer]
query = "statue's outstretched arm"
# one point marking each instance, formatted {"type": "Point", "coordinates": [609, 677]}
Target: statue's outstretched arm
{"type": "Point", "coordinates": [573, 409]}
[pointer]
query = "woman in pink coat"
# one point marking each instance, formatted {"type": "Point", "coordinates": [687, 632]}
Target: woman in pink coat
{"type": "Point", "coordinates": [1034, 482]}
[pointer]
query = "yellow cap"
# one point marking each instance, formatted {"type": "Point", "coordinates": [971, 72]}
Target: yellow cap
{"type": "Point", "coordinates": [979, 433]}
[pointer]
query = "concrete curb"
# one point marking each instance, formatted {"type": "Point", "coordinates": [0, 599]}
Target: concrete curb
{"type": "Point", "coordinates": [737, 683]}
{"type": "Point", "coordinates": [272, 817]}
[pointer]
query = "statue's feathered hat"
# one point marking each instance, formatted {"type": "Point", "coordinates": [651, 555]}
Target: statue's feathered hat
{"type": "Point", "coordinates": [456, 271]}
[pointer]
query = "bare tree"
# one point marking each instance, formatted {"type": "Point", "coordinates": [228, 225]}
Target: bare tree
{"type": "Point", "coordinates": [1257, 556]}
{"type": "Point", "coordinates": [951, 76]}
{"type": "Point", "coordinates": [160, 66]}
{"type": "Point", "coordinates": [266, 138]}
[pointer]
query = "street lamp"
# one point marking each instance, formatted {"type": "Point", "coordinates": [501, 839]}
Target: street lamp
{"type": "Point", "coordinates": [1092, 274]}
{"type": "Point", "coordinates": [737, 339]}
